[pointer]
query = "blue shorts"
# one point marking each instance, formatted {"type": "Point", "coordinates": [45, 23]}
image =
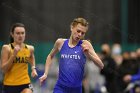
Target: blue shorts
{"type": "Point", "coordinates": [64, 89]}
{"type": "Point", "coordinates": [16, 89]}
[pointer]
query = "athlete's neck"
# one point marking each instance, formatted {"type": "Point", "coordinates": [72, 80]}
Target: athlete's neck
{"type": "Point", "coordinates": [20, 44]}
{"type": "Point", "coordinates": [72, 43]}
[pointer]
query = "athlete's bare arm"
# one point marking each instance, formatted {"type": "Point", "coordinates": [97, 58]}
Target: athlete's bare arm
{"type": "Point", "coordinates": [32, 61]}
{"type": "Point", "coordinates": [90, 53]}
{"type": "Point", "coordinates": [56, 48]}
{"type": "Point", "coordinates": [7, 58]}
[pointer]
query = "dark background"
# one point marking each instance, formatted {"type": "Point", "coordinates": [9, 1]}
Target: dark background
{"type": "Point", "coordinates": [111, 21]}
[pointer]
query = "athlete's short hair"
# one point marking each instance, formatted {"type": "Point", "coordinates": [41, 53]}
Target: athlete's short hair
{"type": "Point", "coordinates": [81, 21]}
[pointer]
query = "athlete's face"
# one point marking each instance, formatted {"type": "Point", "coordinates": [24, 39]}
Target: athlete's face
{"type": "Point", "coordinates": [78, 32]}
{"type": "Point", "coordinates": [19, 35]}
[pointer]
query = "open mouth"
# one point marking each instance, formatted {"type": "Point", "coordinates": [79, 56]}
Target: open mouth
{"type": "Point", "coordinates": [77, 38]}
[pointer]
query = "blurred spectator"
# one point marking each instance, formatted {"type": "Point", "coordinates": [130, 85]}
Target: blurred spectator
{"type": "Point", "coordinates": [95, 79]}
{"type": "Point", "coordinates": [116, 49]}
{"type": "Point", "coordinates": [134, 80]}
{"type": "Point", "coordinates": [109, 70]}
{"type": "Point", "coordinates": [138, 54]}
{"type": "Point", "coordinates": [116, 53]}
{"type": "Point", "coordinates": [129, 66]}
{"type": "Point", "coordinates": [118, 59]}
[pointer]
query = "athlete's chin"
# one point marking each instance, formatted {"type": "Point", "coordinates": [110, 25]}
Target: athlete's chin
{"type": "Point", "coordinates": [77, 39]}
{"type": "Point", "coordinates": [19, 42]}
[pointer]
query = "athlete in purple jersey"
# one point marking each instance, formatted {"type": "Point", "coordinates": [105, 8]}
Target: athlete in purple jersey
{"type": "Point", "coordinates": [73, 54]}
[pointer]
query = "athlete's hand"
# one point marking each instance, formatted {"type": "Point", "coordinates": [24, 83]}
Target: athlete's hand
{"type": "Point", "coordinates": [42, 79]}
{"type": "Point", "coordinates": [16, 49]}
{"type": "Point", "coordinates": [34, 73]}
{"type": "Point", "coordinates": [85, 46]}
